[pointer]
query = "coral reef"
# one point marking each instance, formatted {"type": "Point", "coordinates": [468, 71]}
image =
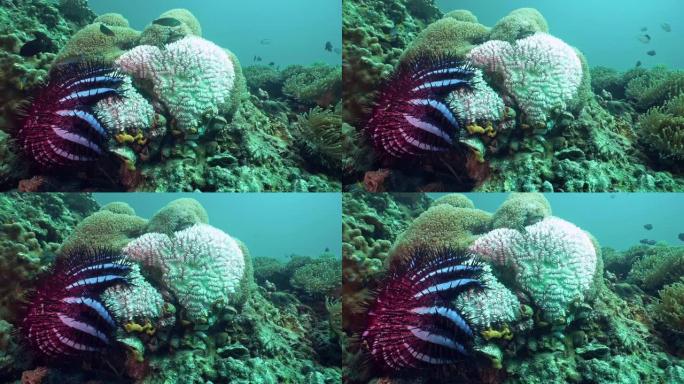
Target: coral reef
{"type": "Point", "coordinates": [661, 130]}
{"type": "Point", "coordinates": [266, 335]}
{"type": "Point", "coordinates": [537, 121]}
{"type": "Point", "coordinates": [320, 278]}
{"type": "Point", "coordinates": [186, 122]}
{"type": "Point", "coordinates": [567, 321]}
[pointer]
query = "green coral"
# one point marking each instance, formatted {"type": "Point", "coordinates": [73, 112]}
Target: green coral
{"type": "Point", "coordinates": [520, 210]}
{"type": "Point", "coordinates": [321, 139]}
{"type": "Point", "coordinates": [118, 207]}
{"type": "Point", "coordinates": [441, 226]}
{"type": "Point", "coordinates": [320, 278]}
{"type": "Point", "coordinates": [104, 229]}
{"type": "Point", "coordinates": [670, 309]}
{"type": "Point", "coordinates": [662, 131]}
{"type": "Point", "coordinates": [519, 24]}
{"type": "Point", "coordinates": [656, 266]}
{"type": "Point", "coordinates": [177, 215]}
{"type": "Point", "coordinates": [462, 15]}
{"type": "Point", "coordinates": [112, 20]}
{"type": "Point", "coordinates": [457, 200]}
{"type": "Point", "coordinates": [448, 36]}
{"type": "Point", "coordinates": [159, 35]}
{"type": "Point", "coordinates": [318, 84]}
{"type": "Point", "coordinates": [649, 88]}
{"type": "Point", "coordinates": [91, 43]}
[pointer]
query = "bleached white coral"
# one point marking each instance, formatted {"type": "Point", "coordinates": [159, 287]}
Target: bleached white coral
{"type": "Point", "coordinates": [192, 77]}
{"type": "Point", "coordinates": [201, 265]}
{"type": "Point", "coordinates": [480, 103]}
{"type": "Point", "coordinates": [554, 261]}
{"type": "Point", "coordinates": [541, 72]}
{"type": "Point", "coordinates": [130, 113]}
{"type": "Point", "coordinates": [138, 301]}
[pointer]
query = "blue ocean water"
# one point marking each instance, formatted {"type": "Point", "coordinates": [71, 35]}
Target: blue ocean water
{"type": "Point", "coordinates": [606, 31]}
{"type": "Point", "coordinates": [616, 219]}
{"type": "Point", "coordinates": [271, 224]}
{"type": "Point", "coordinates": [281, 31]}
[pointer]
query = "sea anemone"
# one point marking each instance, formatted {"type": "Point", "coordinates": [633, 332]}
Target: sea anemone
{"type": "Point", "coordinates": [412, 324]}
{"type": "Point", "coordinates": [60, 129]}
{"type": "Point", "coordinates": [411, 118]}
{"type": "Point", "coordinates": [65, 319]}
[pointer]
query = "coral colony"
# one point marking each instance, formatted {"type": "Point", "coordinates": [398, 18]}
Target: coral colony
{"type": "Point", "coordinates": [411, 324]}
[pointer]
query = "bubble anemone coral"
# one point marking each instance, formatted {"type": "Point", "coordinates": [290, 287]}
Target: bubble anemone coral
{"type": "Point", "coordinates": [662, 131]}
{"type": "Point", "coordinates": [321, 137]}
{"type": "Point", "coordinates": [447, 37]}
{"type": "Point", "coordinates": [541, 72]}
{"type": "Point", "coordinates": [553, 261]}
{"type": "Point", "coordinates": [670, 309]}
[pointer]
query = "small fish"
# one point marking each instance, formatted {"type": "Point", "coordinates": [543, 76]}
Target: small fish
{"type": "Point", "coordinates": [265, 42]}
{"type": "Point", "coordinates": [167, 22]}
{"type": "Point", "coordinates": [337, 50]}
{"type": "Point", "coordinates": [638, 64]}
{"type": "Point", "coordinates": [647, 242]}
{"type": "Point", "coordinates": [645, 39]}
{"type": "Point", "coordinates": [666, 27]}
{"type": "Point", "coordinates": [271, 64]}
{"type": "Point", "coordinates": [105, 29]}
{"type": "Point", "coordinates": [33, 47]}
{"type": "Point", "coordinates": [651, 53]}
{"type": "Point", "coordinates": [644, 29]}
{"type": "Point", "coordinates": [681, 236]}
{"type": "Point", "coordinates": [648, 226]}
{"type": "Point", "coordinates": [257, 58]}
{"type": "Point", "coordinates": [328, 46]}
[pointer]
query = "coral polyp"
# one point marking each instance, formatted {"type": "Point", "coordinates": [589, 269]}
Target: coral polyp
{"type": "Point", "coordinates": [60, 128]}
{"type": "Point", "coordinates": [411, 118]}
{"type": "Point", "coordinates": [65, 317]}
{"type": "Point", "coordinates": [412, 324]}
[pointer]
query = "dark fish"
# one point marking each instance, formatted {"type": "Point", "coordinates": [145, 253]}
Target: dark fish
{"type": "Point", "coordinates": [651, 53]}
{"type": "Point", "coordinates": [648, 226]}
{"type": "Point", "coordinates": [33, 47]}
{"type": "Point", "coordinates": [105, 29]}
{"type": "Point", "coordinates": [167, 22]}
{"type": "Point", "coordinates": [328, 46]}
{"type": "Point", "coordinates": [638, 64]}
{"type": "Point", "coordinates": [647, 242]}
{"type": "Point", "coordinates": [645, 39]}
{"type": "Point", "coordinates": [681, 236]}
{"type": "Point", "coordinates": [265, 42]}
{"type": "Point", "coordinates": [271, 63]}
{"type": "Point", "coordinates": [644, 29]}
{"type": "Point", "coordinates": [257, 58]}
{"type": "Point", "coordinates": [666, 27]}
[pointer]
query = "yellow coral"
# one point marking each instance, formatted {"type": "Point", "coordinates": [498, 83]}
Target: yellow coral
{"type": "Point", "coordinates": [475, 129]}
{"type": "Point", "coordinates": [125, 138]}
{"type": "Point", "coordinates": [135, 327]}
{"type": "Point", "coordinates": [491, 333]}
